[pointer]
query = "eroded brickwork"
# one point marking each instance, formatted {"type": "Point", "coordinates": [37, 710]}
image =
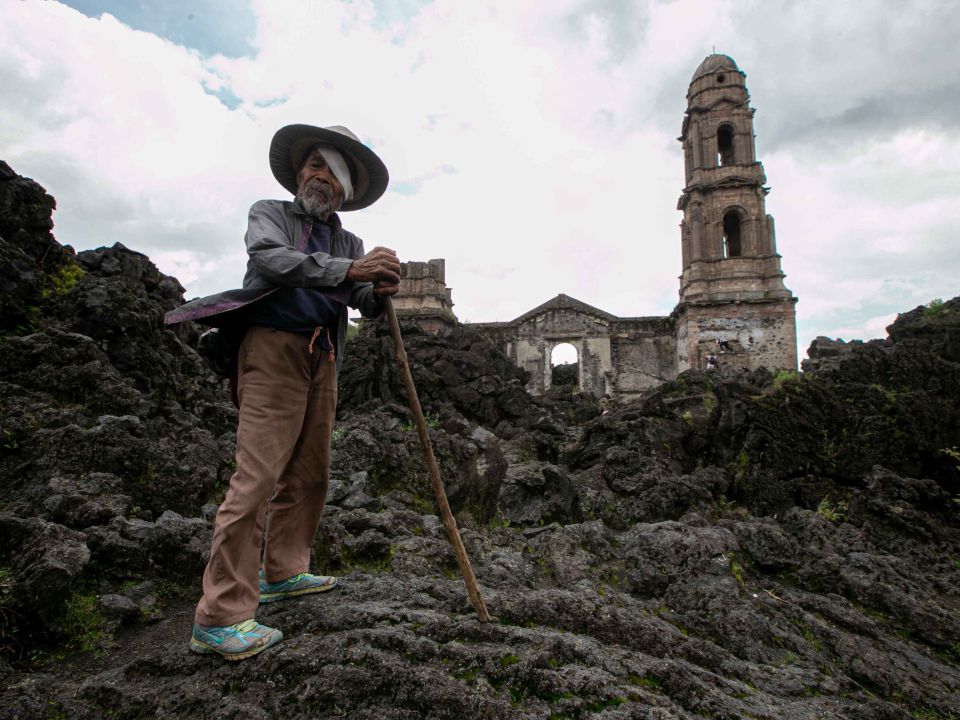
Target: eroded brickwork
{"type": "Point", "coordinates": [758, 335]}
{"type": "Point", "coordinates": [424, 297]}
{"type": "Point", "coordinates": [643, 354]}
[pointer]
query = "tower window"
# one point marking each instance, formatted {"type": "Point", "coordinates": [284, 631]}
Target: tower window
{"type": "Point", "coordinates": [721, 77]}
{"type": "Point", "coordinates": [731, 234]}
{"type": "Point", "coordinates": [725, 145]}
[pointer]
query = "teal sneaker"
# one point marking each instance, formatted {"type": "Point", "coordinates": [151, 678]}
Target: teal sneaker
{"type": "Point", "coordinates": [302, 584]}
{"type": "Point", "coordinates": [234, 642]}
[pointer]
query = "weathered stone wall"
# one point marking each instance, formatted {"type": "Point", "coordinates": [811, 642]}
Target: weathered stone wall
{"type": "Point", "coordinates": [529, 341]}
{"type": "Point", "coordinates": [760, 334]}
{"type": "Point", "coordinates": [424, 297]}
{"type": "Point", "coordinates": [738, 278]}
{"type": "Point", "coordinates": [643, 355]}
{"type": "Point", "coordinates": [617, 356]}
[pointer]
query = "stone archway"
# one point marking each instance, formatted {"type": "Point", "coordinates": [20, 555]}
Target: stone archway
{"type": "Point", "coordinates": [564, 365]}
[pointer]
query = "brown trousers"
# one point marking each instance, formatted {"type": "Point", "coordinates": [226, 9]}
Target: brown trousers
{"type": "Point", "coordinates": [288, 400]}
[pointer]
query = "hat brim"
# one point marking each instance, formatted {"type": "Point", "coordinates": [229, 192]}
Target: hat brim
{"type": "Point", "coordinates": [291, 142]}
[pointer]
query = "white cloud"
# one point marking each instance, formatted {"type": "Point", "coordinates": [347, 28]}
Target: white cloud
{"type": "Point", "coordinates": [131, 146]}
{"type": "Point", "coordinates": [874, 233]}
{"type": "Point", "coordinates": [533, 146]}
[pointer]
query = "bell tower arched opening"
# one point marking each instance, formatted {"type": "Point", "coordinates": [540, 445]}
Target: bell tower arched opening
{"type": "Point", "coordinates": [725, 153]}
{"type": "Point", "coordinates": [732, 244]}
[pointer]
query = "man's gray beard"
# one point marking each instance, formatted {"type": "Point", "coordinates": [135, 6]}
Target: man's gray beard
{"type": "Point", "coordinates": [316, 200]}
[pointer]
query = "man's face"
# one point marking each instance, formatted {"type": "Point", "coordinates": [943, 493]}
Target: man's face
{"type": "Point", "coordinates": [317, 187]}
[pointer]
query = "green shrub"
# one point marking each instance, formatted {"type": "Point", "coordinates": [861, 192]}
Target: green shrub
{"type": "Point", "coordinates": [498, 522]}
{"type": "Point", "coordinates": [82, 622]}
{"type": "Point", "coordinates": [737, 570]}
{"type": "Point", "coordinates": [834, 512]}
{"type": "Point", "coordinates": [64, 279]}
{"type": "Point", "coordinates": [785, 376]}
{"type": "Point", "coordinates": [934, 307]}
{"type": "Point", "coordinates": [739, 469]}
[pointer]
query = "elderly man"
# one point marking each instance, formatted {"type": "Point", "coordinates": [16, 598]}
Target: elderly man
{"type": "Point", "coordinates": [303, 270]}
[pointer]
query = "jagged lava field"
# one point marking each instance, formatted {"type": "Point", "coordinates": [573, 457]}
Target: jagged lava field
{"type": "Point", "coordinates": [732, 545]}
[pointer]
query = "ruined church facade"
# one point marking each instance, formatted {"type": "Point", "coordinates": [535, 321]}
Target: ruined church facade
{"type": "Point", "coordinates": [731, 286]}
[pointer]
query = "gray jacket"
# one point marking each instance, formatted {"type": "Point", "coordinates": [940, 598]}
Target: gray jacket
{"type": "Point", "coordinates": [277, 234]}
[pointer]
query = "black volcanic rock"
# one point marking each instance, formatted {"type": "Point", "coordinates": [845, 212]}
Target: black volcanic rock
{"type": "Point", "coordinates": [730, 546]}
{"type": "Point", "coordinates": [105, 415]}
{"type": "Point", "coordinates": [932, 327]}
{"type": "Point", "coordinates": [30, 258]}
{"type": "Point", "coordinates": [464, 370]}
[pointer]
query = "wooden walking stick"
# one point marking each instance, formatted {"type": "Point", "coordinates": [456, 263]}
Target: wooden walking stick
{"type": "Point", "coordinates": [448, 520]}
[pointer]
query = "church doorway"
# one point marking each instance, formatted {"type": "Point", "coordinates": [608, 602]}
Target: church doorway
{"type": "Point", "coordinates": [565, 366]}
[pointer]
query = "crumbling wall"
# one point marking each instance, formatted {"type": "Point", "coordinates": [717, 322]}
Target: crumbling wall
{"type": "Point", "coordinates": [616, 356]}
{"type": "Point", "coordinates": [761, 334]}
{"type": "Point", "coordinates": [535, 339]}
{"type": "Point", "coordinates": [424, 297]}
{"type": "Point", "coordinates": [643, 355]}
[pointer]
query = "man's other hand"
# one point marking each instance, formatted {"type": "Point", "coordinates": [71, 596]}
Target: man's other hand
{"type": "Point", "coordinates": [379, 266]}
{"type": "Point", "coordinates": [382, 287]}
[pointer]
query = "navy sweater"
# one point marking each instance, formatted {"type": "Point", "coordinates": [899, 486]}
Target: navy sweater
{"type": "Point", "coordinates": [297, 309]}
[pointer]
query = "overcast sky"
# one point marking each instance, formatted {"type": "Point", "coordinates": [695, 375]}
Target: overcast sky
{"type": "Point", "coordinates": [532, 144]}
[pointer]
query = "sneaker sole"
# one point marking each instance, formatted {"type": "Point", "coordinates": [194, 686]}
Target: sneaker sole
{"type": "Point", "coordinates": [274, 597]}
{"type": "Point", "coordinates": [201, 648]}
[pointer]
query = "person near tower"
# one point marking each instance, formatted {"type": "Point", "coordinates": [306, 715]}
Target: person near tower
{"type": "Point", "coordinates": [303, 271]}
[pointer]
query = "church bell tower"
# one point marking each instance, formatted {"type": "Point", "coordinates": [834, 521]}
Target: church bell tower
{"type": "Point", "coordinates": [732, 284]}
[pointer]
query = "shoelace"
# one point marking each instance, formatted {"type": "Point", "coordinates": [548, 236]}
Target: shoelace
{"type": "Point", "coordinates": [244, 627]}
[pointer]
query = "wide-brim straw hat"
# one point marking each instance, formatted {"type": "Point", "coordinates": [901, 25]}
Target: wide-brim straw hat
{"type": "Point", "coordinates": [368, 173]}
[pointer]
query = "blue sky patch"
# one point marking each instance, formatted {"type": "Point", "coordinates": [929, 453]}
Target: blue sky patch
{"type": "Point", "coordinates": [224, 95]}
{"type": "Point", "coordinates": [397, 14]}
{"type": "Point", "coordinates": [406, 187]}
{"type": "Point", "coordinates": [225, 27]}
{"type": "Point", "coordinates": [272, 102]}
